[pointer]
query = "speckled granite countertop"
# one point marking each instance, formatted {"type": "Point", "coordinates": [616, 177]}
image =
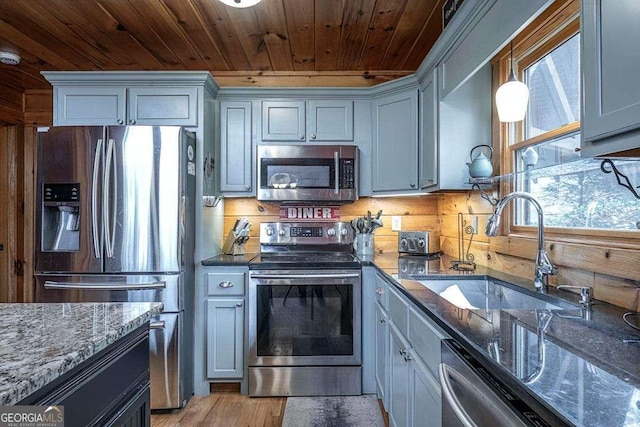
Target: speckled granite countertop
{"type": "Point", "coordinates": [41, 342]}
{"type": "Point", "coordinates": [589, 377]}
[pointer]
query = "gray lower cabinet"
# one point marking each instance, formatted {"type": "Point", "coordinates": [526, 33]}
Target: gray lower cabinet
{"type": "Point", "coordinates": [225, 314]}
{"type": "Point", "coordinates": [611, 95]}
{"type": "Point", "coordinates": [236, 148]}
{"type": "Point", "coordinates": [395, 142]}
{"type": "Point", "coordinates": [225, 336]}
{"type": "Point", "coordinates": [398, 379]}
{"type": "Point", "coordinates": [425, 403]}
{"type": "Point", "coordinates": [382, 351]}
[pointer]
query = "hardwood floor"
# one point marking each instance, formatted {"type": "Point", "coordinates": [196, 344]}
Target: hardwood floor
{"type": "Point", "coordinates": [228, 410]}
{"type": "Point", "coordinates": [225, 410]}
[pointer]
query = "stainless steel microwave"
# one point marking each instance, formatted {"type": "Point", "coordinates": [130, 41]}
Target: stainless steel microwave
{"type": "Point", "coordinates": [315, 173]}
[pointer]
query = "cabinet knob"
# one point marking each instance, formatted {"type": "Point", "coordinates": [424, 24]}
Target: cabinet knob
{"type": "Point", "coordinates": [412, 185]}
{"type": "Point", "coordinates": [238, 304]}
{"type": "Point", "coordinates": [429, 179]}
{"type": "Point", "coordinates": [407, 357]}
{"type": "Point", "coordinates": [120, 121]}
{"type": "Point", "coordinates": [379, 291]}
{"type": "Point", "coordinates": [247, 187]}
{"type": "Point", "coordinates": [226, 284]}
{"type": "Point", "coordinates": [382, 320]}
{"type": "Point", "coordinates": [402, 351]}
{"type": "Point", "coordinates": [313, 136]}
{"type": "Point", "coordinates": [301, 136]}
{"type": "Point", "coordinates": [132, 122]}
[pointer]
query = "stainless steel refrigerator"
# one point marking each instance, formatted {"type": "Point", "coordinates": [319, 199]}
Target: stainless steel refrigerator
{"type": "Point", "coordinates": [115, 222]}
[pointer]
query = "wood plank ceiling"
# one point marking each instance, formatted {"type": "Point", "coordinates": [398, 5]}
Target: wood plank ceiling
{"type": "Point", "coordinates": [276, 43]}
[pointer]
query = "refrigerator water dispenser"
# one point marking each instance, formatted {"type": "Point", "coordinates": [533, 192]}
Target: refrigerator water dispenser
{"type": "Point", "coordinates": [61, 218]}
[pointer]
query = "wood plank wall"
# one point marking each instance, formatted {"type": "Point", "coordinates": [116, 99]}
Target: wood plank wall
{"type": "Point", "coordinates": [417, 213]}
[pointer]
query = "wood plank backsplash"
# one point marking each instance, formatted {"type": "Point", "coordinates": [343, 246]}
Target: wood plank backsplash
{"type": "Point", "coordinates": [611, 272]}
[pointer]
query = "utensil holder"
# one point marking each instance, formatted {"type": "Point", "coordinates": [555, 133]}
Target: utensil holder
{"type": "Point", "coordinates": [363, 244]}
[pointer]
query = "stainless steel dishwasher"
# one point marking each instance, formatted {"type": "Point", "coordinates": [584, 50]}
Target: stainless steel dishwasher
{"type": "Point", "coordinates": [473, 397]}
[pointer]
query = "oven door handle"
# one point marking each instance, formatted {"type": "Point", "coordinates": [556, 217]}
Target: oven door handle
{"type": "Point", "coordinates": [103, 286]}
{"type": "Point", "coordinates": [336, 174]}
{"type": "Point", "coordinates": [305, 276]}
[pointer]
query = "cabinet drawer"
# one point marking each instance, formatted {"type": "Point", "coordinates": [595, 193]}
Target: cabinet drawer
{"type": "Point", "coordinates": [425, 338]}
{"type": "Point", "coordinates": [382, 292]}
{"type": "Point", "coordinates": [398, 308]}
{"type": "Point", "coordinates": [225, 283]}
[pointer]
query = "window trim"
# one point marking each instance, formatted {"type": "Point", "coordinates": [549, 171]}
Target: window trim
{"type": "Point", "coordinates": [557, 24]}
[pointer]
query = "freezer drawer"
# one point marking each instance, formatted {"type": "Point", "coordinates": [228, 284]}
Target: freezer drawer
{"type": "Point", "coordinates": [168, 289]}
{"type": "Point", "coordinates": [165, 358]}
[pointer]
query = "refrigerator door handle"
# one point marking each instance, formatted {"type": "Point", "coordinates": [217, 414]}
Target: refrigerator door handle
{"type": "Point", "coordinates": [94, 199]}
{"type": "Point", "coordinates": [108, 213]}
{"type": "Point", "coordinates": [50, 284]}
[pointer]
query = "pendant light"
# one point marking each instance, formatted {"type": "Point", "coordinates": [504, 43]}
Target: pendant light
{"type": "Point", "coordinates": [240, 3]}
{"type": "Point", "coordinates": [512, 97]}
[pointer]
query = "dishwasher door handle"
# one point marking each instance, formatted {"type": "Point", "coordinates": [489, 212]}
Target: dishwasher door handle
{"type": "Point", "coordinates": [447, 373]}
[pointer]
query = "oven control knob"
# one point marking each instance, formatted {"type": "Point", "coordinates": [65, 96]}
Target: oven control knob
{"type": "Point", "coordinates": [344, 232]}
{"type": "Point", "coordinates": [404, 243]}
{"type": "Point", "coordinates": [331, 232]}
{"type": "Point", "coordinates": [421, 270]}
{"type": "Point", "coordinates": [282, 233]}
{"type": "Point", "coordinates": [421, 243]}
{"type": "Point", "coordinates": [269, 231]}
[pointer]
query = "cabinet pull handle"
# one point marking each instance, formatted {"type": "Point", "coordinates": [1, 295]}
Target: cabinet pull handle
{"type": "Point", "coordinates": [239, 304]}
{"type": "Point", "coordinates": [226, 284]}
{"type": "Point", "coordinates": [379, 291]}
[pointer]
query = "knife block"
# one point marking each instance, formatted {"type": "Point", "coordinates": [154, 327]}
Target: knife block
{"type": "Point", "coordinates": [231, 246]}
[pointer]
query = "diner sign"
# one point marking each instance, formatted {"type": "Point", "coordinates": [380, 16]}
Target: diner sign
{"type": "Point", "coordinates": [309, 213]}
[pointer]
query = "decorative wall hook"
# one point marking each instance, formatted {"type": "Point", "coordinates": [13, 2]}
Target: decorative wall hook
{"type": "Point", "coordinates": [622, 179]}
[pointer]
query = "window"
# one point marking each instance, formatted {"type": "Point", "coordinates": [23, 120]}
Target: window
{"type": "Point", "coordinates": [543, 150]}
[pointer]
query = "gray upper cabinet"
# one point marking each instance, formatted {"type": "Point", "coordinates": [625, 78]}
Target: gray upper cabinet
{"type": "Point", "coordinates": [395, 142]}
{"type": "Point", "coordinates": [429, 133]}
{"type": "Point", "coordinates": [125, 106]}
{"type": "Point", "coordinates": [610, 64]}
{"type": "Point", "coordinates": [301, 121]}
{"type": "Point", "coordinates": [235, 147]}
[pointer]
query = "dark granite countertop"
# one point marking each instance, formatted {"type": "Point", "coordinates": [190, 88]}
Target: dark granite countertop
{"type": "Point", "coordinates": [41, 342]}
{"type": "Point", "coordinates": [589, 376]}
{"type": "Point", "coordinates": [229, 260]}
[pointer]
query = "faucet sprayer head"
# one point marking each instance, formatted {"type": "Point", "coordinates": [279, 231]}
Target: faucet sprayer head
{"type": "Point", "coordinates": [493, 224]}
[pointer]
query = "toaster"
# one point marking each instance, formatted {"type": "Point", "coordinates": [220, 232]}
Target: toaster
{"type": "Point", "coordinates": [418, 242]}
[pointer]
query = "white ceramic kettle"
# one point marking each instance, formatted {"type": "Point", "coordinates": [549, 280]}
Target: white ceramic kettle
{"type": "Point", "coordinates": [481, 166]}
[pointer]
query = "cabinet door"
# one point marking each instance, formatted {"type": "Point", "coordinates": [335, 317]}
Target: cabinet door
{"type": "Point", "coordinates": [89, 106]}
{"type": "Point", "coordinates": [429, 133]}
{"type": "Point", "coordinates": [395, 142]}
{"type": "Point", "coordinates": [425, 403]}
{"type": "Point", "coordinates": [610, 66]}
{"type": "Point", "coordinates": [398, 379]}
{"type": "Point", "coordinates": [283, 121]}
{"type": "Point", "coordinates": [225, 332]}
{"type": "Point", "coordinates": [382, 351]}
{"type": "Point", "coordinates": [330, 120]}
{"type": "Point", "coordinates": [235, 147]}
{"type": "Point", "coordinates": [163, 106]}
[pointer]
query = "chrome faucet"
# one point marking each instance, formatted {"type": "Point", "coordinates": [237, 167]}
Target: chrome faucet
{"type": "Point", "coordinates": [544, 267]}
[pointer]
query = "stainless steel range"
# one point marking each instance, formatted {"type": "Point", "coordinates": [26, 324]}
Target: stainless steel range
{"type": "Point", "coordinates": [305, 311]}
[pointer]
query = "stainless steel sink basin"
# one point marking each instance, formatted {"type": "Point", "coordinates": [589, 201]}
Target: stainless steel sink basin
{"type": "Point", "coordinates": [482, 294]}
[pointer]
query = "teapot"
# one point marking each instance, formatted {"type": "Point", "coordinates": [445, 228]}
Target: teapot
{"type": "Point", "coordinates": [481, 166]}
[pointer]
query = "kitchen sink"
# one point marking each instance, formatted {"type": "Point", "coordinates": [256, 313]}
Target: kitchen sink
{"type": "Point", "coordinates": [484, 294]}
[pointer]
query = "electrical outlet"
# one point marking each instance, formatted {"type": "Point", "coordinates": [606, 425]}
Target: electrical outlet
{"type": "Point", "coordinates": [396, 223]}
{"type": "Point", "coordinates": [474, 223]}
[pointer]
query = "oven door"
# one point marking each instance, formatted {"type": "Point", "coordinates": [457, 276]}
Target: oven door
{"type": "Point", "coordinates": [304, 318]}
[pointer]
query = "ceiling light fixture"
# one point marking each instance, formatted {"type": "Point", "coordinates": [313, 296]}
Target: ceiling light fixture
{"type": "Point", "coordinates": [240, 3]}
{"type": "Point", "coordinates": [9, 58]}
{"type": "Point", "coordinates": [512, 97]}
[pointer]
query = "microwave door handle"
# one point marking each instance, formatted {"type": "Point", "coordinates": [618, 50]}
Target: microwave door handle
{"type": "Point", "coordinates": [94, 198]}
{"type": "Point", "coordinates": [336, 177]}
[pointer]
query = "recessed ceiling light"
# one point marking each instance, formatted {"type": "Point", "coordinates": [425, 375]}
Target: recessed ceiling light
{"type": "Point", "coordinates": [240, 3]}
{"type": "Point", "coordinates": [9, 58]}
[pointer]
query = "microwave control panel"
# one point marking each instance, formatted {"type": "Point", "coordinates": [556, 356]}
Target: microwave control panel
{"type": "Point", "coordinates": [347, 173]}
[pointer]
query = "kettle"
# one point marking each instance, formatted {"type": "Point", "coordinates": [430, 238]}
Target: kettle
{"type": "Point", "coordinates": [481, 166]}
